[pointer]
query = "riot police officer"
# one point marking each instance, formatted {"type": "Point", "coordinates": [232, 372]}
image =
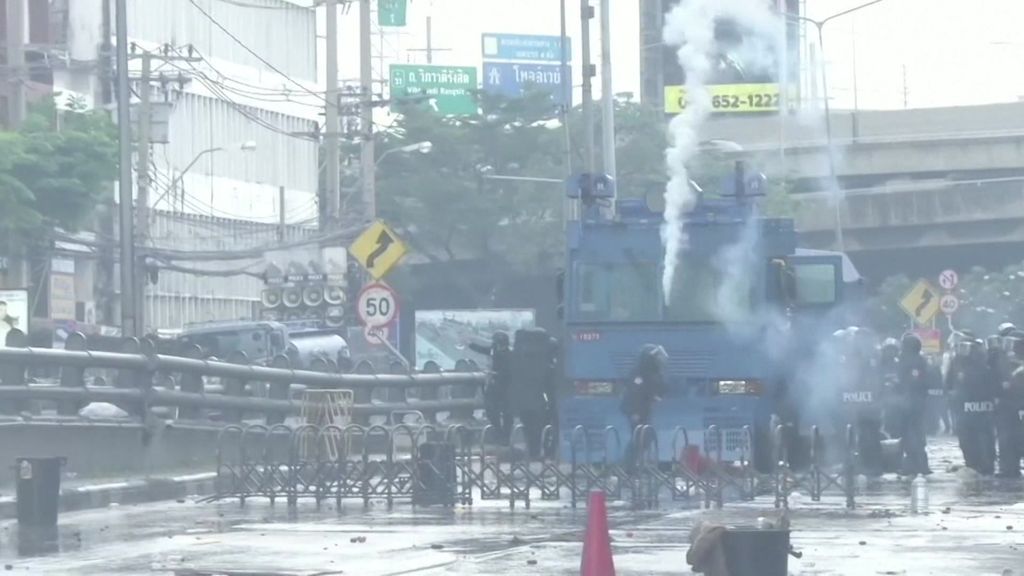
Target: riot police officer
{"type": "Point", "coordinates": [533, 375]}
{"type": "Point", "coordinates": [643, 390]}
{"type": "Point", "coordinates": [496, 393]}
{"type": "Point", "coordinates": [1016, 396]}
{"type": "Point", "coordinates": [938, 405]}
{"type": "Point", "coordinates": [974, 404]}
{"type": "Point", "coordinates": [861, 398]}
{"type": "Point", "coordinates": [912, 391]}
{"type": "Point", "coordinates": [888, 367]}
{"type": "Point", "coordinates": [1009, 404]}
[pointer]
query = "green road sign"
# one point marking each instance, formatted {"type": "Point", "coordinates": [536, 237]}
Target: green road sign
{"type": "Point", "coordinates": [391, 12]}
{"type": "Point", "coordinates": [450, 88]}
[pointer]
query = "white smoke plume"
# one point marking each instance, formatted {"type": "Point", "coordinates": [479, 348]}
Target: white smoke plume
{"type": "Point", "coordinates": [691, 27]}
{"type": "Point", "coordinates": [737, 265]}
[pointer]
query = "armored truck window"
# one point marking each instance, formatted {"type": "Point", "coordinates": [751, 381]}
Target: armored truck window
{"type": "Point", "coordinates": [815, 283]}
{"type": "Point", "coordinates": [620, 291]}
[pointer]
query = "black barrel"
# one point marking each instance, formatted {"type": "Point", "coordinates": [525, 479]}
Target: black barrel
{"type": "Point", "coordinates": [754, 552]}
{"type": "Point", "coordinates": [38, 490]}
{"type": "Point", "coordinates": [435, 475]}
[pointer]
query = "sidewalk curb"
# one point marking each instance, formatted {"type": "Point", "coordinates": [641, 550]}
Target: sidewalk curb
{"type": "Point", "coordinates": [139, 491]}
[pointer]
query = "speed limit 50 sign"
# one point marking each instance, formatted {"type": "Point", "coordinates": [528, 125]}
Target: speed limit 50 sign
{"type": "Point", "coordinates": [377, 305]}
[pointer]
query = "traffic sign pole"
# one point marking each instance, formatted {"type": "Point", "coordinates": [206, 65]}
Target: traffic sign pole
{"type": "Point", "coordinates": [378, 249]}
{"type": "Point", "coordinates": [921, 302]}
{"type": "Point", "coordinates": [949, 279]}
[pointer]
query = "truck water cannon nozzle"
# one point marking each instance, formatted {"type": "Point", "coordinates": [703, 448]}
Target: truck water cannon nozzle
{"type": "Point", "coordinates": [591, 187]}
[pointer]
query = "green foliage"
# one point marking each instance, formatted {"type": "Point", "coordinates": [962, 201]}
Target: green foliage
{"type": "Point", "coordinates": [54, 171]}
{"type": "Point", "coordinates": [444, 198]}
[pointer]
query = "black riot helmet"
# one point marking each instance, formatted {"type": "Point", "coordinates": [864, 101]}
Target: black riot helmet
{"type": "Point", "coordinates": [890, 349]}
{"type": "Point", "coordinates": [1006, 328]}
{"type": "Point", "coordinates": [653, 355]}
{"type": "Point", "coordinates": [1013, 344]}
{"type": "Point", "coordinates": [499, 340]}
{"type": "Point", "coordinates": [910, 345]}
{"type": "Point", "coordinates": [994, 346]}
{"type": "Point", "coordinates": [964, 343]}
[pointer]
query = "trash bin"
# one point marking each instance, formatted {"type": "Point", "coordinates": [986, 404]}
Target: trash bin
{"type": "Point", "coordinates": [751, 551]}
{"type": "Point", "coordinates": [435, 475]}
{"type": "Point", "coordinates": [38, 490]}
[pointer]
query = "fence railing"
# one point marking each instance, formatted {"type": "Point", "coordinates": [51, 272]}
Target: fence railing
{"type": "Point", "coordinates": [142, 382]}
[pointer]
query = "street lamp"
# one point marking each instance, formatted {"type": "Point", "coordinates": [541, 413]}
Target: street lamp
{"type": "Point", "coordinates": [247, 146]}
{"type": "Point", "coordinates": [819, 25]}
{"type": "Point", "coordinates": [424, 147]}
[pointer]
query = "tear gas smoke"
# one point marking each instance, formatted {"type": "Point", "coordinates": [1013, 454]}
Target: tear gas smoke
{"type": "Point", "coordinates": [737, 266]}
{"type": "Point", "coordinates": [691, 27]}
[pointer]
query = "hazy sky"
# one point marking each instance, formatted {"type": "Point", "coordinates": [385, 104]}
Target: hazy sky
{"type": "Point", "coordinates": [944, 52]}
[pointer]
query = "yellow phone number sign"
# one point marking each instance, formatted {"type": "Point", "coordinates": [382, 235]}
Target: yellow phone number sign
{"type": "Point", "coordinates": [729, 98]}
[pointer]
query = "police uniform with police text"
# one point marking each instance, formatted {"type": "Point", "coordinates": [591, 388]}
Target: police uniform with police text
{"type": "Point", "coordinates": [975, 405]}
{"type": "Point", "coordinates": [861, 405]}
{"type": "Point", "coordinates": [912, 390]}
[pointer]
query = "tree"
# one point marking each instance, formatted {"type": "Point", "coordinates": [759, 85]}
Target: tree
{"type": "Point", "coordinates": [55, 170]}
{"type": "Point", "coordinates": [445, 200]}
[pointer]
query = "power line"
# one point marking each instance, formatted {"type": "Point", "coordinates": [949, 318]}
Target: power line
{"type": "Point", "coordinates": [222, 74]}
{"type": "Point", "coordinates": [253, 53]}
{"type": "Point", "coordinates": [241, 108]}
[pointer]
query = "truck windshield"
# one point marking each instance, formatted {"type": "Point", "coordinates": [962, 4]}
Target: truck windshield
{"type": "Point", "coordinates": [618, 292]}
{"type": "Point", "coordinates": [631, 292]}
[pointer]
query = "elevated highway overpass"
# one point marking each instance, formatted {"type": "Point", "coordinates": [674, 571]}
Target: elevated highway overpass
{"type": "Point", "coordinates": [923, 189]}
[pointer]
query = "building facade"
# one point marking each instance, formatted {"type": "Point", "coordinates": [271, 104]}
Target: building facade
{"type": "Point", "coordinates": [234, 107]}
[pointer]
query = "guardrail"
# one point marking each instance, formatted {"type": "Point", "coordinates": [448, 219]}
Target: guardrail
{"type": "Point", "coordinates": [230, 391]}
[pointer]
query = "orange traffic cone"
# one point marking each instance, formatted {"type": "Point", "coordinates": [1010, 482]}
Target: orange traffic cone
{"type": "Point", "coordinates": [597, 544]}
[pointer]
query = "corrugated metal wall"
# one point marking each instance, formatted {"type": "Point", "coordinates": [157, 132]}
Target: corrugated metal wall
{"type": "Point", "coordinates": [199, 123]}
{"type": "Point", "coordinates": [284, 35]}
{"type": "Point", "coordinates": [180, 298]}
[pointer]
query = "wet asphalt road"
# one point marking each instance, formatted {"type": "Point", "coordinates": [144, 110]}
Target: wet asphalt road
{"type": "Point", "coordinates": [974, 527]}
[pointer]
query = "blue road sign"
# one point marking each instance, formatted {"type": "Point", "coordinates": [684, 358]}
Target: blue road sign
{"type": "Point", "coordinates": [525, 47]}
{"type": "Point", "coordinates": [514, 79]}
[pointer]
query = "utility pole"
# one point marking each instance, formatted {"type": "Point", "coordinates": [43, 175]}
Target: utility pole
{"type": "Point", "coordinates": [145, 119]}
{"type": "Point", "coordinates": [144, 180]}
{"type": "Point", "coordinates": [568, 204]}
{"type": "Point", "coordinates": [16, 71]}
{"type": "Point", "coordinates": [430, 43]}
{"type": "Point", "coordinates": [127, 223]}
{"type": "Point", "coordinates": [367, 159]}
{"type": "Point", "coordinates": [586, 15]}
{"type": "Point", "coordinates": [607, 98]}
{"type": "Point", "coordinates": [566, 86]}
{"type": "Point", "coordinates": [332, 132]}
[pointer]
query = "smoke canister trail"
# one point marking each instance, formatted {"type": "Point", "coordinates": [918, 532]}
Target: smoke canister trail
{"type": "Point", "coordinates": [691, 26]}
